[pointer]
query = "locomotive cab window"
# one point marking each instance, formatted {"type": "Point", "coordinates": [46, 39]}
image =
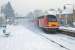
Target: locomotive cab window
{"type": "Point", "coordinates": [52, 18]}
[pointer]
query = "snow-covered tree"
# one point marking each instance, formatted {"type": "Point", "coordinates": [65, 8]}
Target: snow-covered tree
{"type": "Point", "coordinates": [8, 10]}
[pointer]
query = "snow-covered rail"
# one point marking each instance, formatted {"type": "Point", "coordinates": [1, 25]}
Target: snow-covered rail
{"type": "Point", "coordinates": [60, 45]}
{"type": "Point", "coordinates": [68, 30]}
{"type": "Point", "coordinates": [70, 33]}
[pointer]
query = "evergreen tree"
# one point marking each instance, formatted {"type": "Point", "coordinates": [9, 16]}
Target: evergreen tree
{"type": "Point", "coordinates": [8, 10]}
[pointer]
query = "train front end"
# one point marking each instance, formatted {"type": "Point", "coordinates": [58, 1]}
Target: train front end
{"type": "Point", "coordinates": [53, 23]}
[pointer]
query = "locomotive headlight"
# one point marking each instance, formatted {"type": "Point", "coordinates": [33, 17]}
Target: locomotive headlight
{"type": "Point", "coordinates": [49, 24]}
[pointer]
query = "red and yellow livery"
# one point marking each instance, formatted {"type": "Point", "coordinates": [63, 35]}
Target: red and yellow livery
{"type": "Point", "coordinates": [48, 22]}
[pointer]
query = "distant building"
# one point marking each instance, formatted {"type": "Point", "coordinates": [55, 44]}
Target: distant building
{"type": "Point", "coordinates": [66, 15]}
{"type": "Point", "coordinates": [65, 20]}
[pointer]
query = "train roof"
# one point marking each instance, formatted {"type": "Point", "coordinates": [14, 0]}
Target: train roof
{"type": "Point", "coordinates": [46, 15]}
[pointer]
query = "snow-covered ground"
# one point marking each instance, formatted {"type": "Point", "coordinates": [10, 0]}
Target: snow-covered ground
{"type": "Point", "coordinates": [70, 29]}
{"type": "Point", "coordinates": [27, 36]}
{"type": "Point", "coordinates": [24, 39]}
{"type": "Point", "coordinates": [60, 39]}
{"type": "Point", "coordinates": [74, 23]}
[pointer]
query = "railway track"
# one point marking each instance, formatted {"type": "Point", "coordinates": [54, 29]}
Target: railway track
{"type": "Point", "coordinates": [60, 45]}
{"type": "Point", "coordinates": [69, 33]}
{"type": "Point", "coordinates": [62, 37]}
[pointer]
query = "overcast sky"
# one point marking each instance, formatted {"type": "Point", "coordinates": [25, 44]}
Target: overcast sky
{"type": "Point", "coordinates": [24, 6]}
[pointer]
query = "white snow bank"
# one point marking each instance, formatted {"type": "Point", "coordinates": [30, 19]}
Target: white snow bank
{"type": "Point", "coordinates": [67, 28]}
{"type": "Point", "coordinates": [24, 39]}
{"type": "Point", "coordinates": [74, 23]}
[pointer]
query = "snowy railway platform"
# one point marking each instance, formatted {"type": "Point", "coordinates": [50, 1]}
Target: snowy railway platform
{"type": "Point", "coordinates": [24, 39]}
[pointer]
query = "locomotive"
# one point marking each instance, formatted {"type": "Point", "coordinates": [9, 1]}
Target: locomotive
{"type": "Point", "coordinates": [48, 23]}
